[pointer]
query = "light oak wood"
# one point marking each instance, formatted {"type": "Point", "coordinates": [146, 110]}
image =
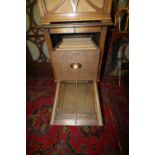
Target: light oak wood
{"type": "Point", "coordinates": [97, 105]}
{"type": "Point", "coordinates": [76, 60]}
{"type": "Point", "coordinates": [72, 17]}
{"type": "Point", "coordinates": [87, 29]}
{"type": "Point", "coordinates": [74, 10]}
{"type": "Point", "coordinates": [70, 44]}
{"type": "Point", "coordinates": [76, 46]}
{"type": "Point", "coordinates": [55, 103]}
{"type": "Point", "coordinates": [62, 61]}
{"type": "Point", "coordinates": [76, 39]}
{"type": "Point", "coordinates": [61, 30]}
{"type": "Point", "coordinates": [76, 24]}
{"type": "Point", "coordinates": [76, 42]}
{"type": "Point", "coordinates": [75, 104]}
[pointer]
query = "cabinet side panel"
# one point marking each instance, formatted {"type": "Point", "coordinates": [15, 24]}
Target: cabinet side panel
{"type": "Point", "coordinates": [101, 45]}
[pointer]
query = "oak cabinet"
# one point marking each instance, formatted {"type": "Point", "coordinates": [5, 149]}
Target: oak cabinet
{"type": "Point", "coordinates": [80, 27]}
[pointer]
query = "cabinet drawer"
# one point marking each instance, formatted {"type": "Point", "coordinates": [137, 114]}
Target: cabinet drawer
{"type": "Point", "coordinates": [75, 65]}
{"type": "Point", "coordinates": [87, 29]}
{"type": "Point", "coordinates": [76, 103]}
{"type": "Point", "coordinates": [62, 30]}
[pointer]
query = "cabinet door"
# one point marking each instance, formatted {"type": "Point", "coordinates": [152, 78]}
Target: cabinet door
{"type": "Point", "coordinates": [73, 10]}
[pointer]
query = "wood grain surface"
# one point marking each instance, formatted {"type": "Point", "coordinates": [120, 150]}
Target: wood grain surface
{"type": "Point", "coordinates": [77, 103]}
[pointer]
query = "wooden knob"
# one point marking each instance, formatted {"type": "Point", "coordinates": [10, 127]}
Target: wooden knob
{"type": "Point", "coordinates": [76, 65]}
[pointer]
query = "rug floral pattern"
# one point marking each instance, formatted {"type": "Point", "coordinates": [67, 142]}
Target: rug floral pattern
{"type": "Point", "coordinates": [43, 139]}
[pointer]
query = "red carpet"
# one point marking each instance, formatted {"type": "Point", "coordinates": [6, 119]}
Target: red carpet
{"type": "Point", "coordinates": [42, 139]}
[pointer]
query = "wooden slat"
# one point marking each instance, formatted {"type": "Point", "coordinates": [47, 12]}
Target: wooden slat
{"type": "Point", "coordinates": [71, 17]}
{"type": "Point", "coordinates": [108, 6]}
{"type": "Point", "coordinates": [67, 101]}
{"type": "Point", "coordinates": [61, 30]}
{"type": "Point", "coordinates": [61, 115]}
{"type": "Point", "coordinates": [75, 24]}
{"type": "Point", "coordinates": [94, 6]}
{"type": "Point", "coordinates": [79, 116]}
{"type": "Point", "coordinates": [101, 44]}
{"type": "Point", "coordinates": [42, 8]}
{"type": "Point", "coordinates": [87, 122]}
{"type": "Point", "coordinates": [72, 48]}
{"type": "Point", "coordinates": [87, 29]}
{"type": "Point", "coordinates": [76, 43]}
{"type": "Point", "coordinates": [76, 39]}
{"type": "Point", "coordinates": [49, 46]}
{"type": "Point", "coordinates": [75, 30]}
{"type": "Point", "coordinates": [76, 49]}
{"type": "Point", "coordinates": [65, 122]}
{"type": "Point", "coordinates": [56, 7]}
{"type": "Point", "coordinates": [98, 108]}
{"type": "Point", "coordinates": [55, 103]}
{"type": "Point", "coordinates": [68, 122]}
{"type": "Point", "coordinates": [69, 44]}
{"type": "Point", "coordinates": [76, 46]}
{"type": "Point", "coordinates": [86, 101]}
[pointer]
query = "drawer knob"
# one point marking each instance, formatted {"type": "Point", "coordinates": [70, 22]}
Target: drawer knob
{"type": "Point", "coordinates": [76, 65]}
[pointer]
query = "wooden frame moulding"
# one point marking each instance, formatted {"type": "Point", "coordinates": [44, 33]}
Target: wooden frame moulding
{"type": "Point", "coordinates": [97, 105]}
{"type": "Point", "coordinates": [55, 103]}
{"type": "Point", "coordinates": [101, 47]}
{"type": "Point", "coordinates": [50, 47]}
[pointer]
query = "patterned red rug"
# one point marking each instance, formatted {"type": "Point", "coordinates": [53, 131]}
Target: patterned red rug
{"type": "Point", "coordinates": [43, 139]}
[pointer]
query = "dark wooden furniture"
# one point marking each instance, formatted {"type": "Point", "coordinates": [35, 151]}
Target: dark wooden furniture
{"type": "Point", "coordinates": [119, 36]}
{"type": "Point", "coordinates": [76, 56]}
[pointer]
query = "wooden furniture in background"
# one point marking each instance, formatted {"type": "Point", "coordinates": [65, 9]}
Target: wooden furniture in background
{"type": "Point", "coordinates": [76, 58]}
{"type": "Point", "coordinates": [119, 36]}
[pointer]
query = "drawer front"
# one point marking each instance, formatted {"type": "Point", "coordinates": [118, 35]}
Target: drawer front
{"type": "Point", "coordinates": [87, 29]}
{"type": "Point", "coordinates": [75, 30]}
{"type": "Point", "coordinates": [61, 30]}
{"type": "Point", "coordinates": [81, 65]}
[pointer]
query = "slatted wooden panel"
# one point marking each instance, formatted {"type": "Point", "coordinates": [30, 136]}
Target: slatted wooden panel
{"type": "Point", "coordinates": [75, 43]}
{"type": "Point", "coordinates": [77, 104]}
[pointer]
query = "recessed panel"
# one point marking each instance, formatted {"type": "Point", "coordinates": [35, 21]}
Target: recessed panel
{"type": "Point", "coordinates": [77, 103]}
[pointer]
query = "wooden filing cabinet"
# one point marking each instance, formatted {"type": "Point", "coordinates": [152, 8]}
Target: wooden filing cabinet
{"type": "Point", "coordinates": [76, 56]}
